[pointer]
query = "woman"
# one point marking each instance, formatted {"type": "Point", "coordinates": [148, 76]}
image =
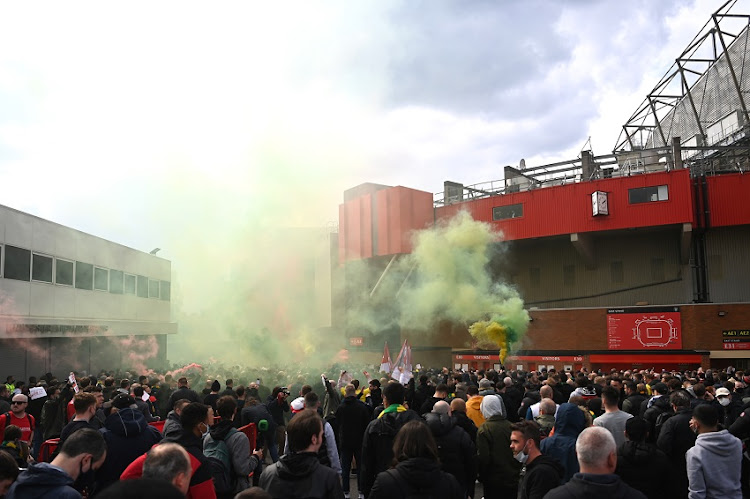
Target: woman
{"type": "Point", "coordinates": [416, 468]}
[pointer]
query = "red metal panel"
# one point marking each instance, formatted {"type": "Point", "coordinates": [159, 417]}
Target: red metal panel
{"type": "Point", "coordinates": [727, 199]}
{"type": "Point", "coordinates": [567, 209]}
{"type": "Point", "coordinates": [355, 229]}
{"type": "Point", "coordinates": [401, 211]}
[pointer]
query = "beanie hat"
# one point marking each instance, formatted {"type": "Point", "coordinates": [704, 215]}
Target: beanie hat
{"type": "Point", "coordinates": [215, 386]}
{"type": "Point", "coordinates": [298, 404]}
{"type": "Point", "coordinates": [122, 401]}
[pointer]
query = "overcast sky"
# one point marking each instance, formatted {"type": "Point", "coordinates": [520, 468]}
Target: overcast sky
{"type": "Point", "coordinates": [134, 120]}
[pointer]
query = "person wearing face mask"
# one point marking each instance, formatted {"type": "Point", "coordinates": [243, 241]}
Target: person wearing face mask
{"type": "Point", "coordinates": [727, 406]}
{"type": "Point", "coordinates": [540, 473]}
{"type": "Point", "coordinates": [83, 452]}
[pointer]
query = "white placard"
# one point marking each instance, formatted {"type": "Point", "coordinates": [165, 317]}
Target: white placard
{"type": "Point", "coordinates": [37, 392]}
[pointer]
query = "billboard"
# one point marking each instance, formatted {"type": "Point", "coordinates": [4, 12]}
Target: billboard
{"type": "Point", "coordinates": [644, 328]}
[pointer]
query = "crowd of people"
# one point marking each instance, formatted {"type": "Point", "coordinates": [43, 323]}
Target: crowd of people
{"type": "Point", "coordinates": [442, 434]}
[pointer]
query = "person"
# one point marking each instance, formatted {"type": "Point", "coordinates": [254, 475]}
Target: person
{"type": "Point", "coordinates": [277, 405]}
{"type": "Point", "coordinates": [141, 487]}
{"type": "Point", "coordinates": [328, 454]}
{"type": "Point", "coordinates": [375, 395]}
{"type": "Point", "coordinates": [569, 423]}
{"type": "Point", "coordinates": [229, 390]}
{"type": "Point", "coordinates": [377, 444]}
{"type": "Point", "coordinates": [441, 393]}
{"type": "Point", "coordinates": [353, 416]}
{"type": "Point", "coordinates": [676, 437]}
{"type": "Point", "coordinates": [169, 462]}
{"type": "Point", "coordinates": [417, 470]}
{"type": "Point", "coordinates": [15, 447]}
{"type": "Point", "coordinates": [642, 465]}
{"type": "Point", "coordinates": [253, 493]}
{"type": "Point", "coordinates": [127, 435]}
{"type": "Point", "coordinates": [8, 471]}
{"type": "Point", "coordinates": [546, 417]}
{"type": "Point", "coordinates": [714, 462]}
{"type": "Point", "coordinates": [539, 473]}
{"type": "Point", "coordinates": [52, 417]}
{"type": "Point", "coordinates": [474, 400]}
{"type": "Point", "coordinates": [299, 473]}
{"type": "Point", "coordinates": [212, 397]}
{"type": "Point", "coordinates": [597, 460]}
{"type": "Point", "coordinates": [242, 461]}
{"type": "Point", "coordinates": [18, 417]}
{"type": "Point", "coordinates": [183, 392]}
{"type": "Point", "coordinates": [458, 414]}
{"type": "Point", "coordinates": [4, 399]}
{"type": "Point", "coordinates": [255, 412]}
{"type": "Point", "coordinates": [655, 406]}
{"type": "Point", "coordinates": [728, 405]}
{"type": "Point", "coordinates": [633, 398]}
{"type": "Point", "coordinates": [144, 406]}
{"type": "Point", "coordinates": [85, 406]}
{"type": "Point", "coordinates": [172, 426]}
{"type": "Point", "coordinates": [83, 452]}
{"type": "Point", "coordinates": [456, 451]}
{"type": "Point", "coordinates": [545, 392]}
{"type": "Point", "coordinates": [613, 418]}
{"type": "Point", "coordinates": [498, 470]}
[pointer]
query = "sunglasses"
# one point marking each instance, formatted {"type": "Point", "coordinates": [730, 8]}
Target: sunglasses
{"type": "Point", "coordinates": [17, 402]}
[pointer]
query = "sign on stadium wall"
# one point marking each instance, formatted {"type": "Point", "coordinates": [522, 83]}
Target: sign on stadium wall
{"type": "Point", "coordinates": [644, 328]}
{"type": "Point", "coordinates": [736, 339]}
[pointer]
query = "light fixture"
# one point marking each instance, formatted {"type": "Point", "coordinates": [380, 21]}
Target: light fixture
{"type": "Point", "coordinates": [722, 313]}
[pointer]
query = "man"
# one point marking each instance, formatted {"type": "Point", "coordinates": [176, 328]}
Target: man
{"type": "Point", "coordinates": [498, 471]}
{"type": "Point", "coordinates": [458, 414]}
{"type": "Point", "coordinates": [353, 417]}
{"type": "Point", "coordinates": [84, 451]}
{"type": "Point", "coordinates": [169, 462]}
{"type": "Point", "coordinates": [441, 393]}
{"type": "Point", "coordinates": [277, 405]}
{"type": "Point", "coordinates": [4, 399]}
{"type": "Point", "coordinates": [142, 405]}
{"type": "Point", "coordinates": [613, 418]}
{"type": "Point", "coordinates": [328, 454]}
{"type": "Point", "coordinates": [729, 406]}
{"type": "Point", "coordinates": [456, 450]}
{"type": "Point", "coordinates": [539, 473]}
{"type": "Point", "coordinates": [299, 474]}
{"type": "Point", "coordinates": [255, 412]}
{"type": "Point", "coordinates": [545, 392]}
{"type": "Point", "coordinates": [377, 444]}
{"type": "Point", "coordinates": [597, 459]}
{"type": "Point", "coordinates": [473, 403]}
{"type": "Point", "coordinates": [569, 423]}
{"type": "Point", "coordinates": [85, 406]}
{"type": "Point", "coordinates": [714, 463]}
{"type": "Point", "coordinates": [229, 390]}
{"type": "Point", "coordinates": [183, 392]}
{"type": "Point", "coordinates": [656, 405]}
{"type": "Point", "coordinates": [18, 417]}
{"type": "Point", "coordinates": [676, 437]}
{"type": "Point", "coordinates": [546, 417]}
{"type": "Point", "coordinates": [643, 466]}
{"type": "Point", "coordinates": [172, 425]}
{"type": "Point", "coordinates": [633, 399]}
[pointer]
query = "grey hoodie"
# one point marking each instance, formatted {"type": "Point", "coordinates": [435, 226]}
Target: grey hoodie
{"type": "Point", "coordinates": [713, 466]}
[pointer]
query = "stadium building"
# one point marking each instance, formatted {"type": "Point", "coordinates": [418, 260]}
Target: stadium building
{"type": "Point", "coordinates": [637, 258]}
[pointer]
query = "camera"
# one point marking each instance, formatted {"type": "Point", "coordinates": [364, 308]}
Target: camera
{"type": "Point", "coordinates": [285, 390]}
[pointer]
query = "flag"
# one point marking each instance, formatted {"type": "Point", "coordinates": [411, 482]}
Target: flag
{"type": "Point", "coordinates": [404, 361]}
{"type": "Point", "coordinates": [385, 363]}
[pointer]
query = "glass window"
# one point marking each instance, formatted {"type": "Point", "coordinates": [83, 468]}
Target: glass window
{"type": "Point", "coordinates": [84, 275]}
{"type": "Point", "coordinates": [153, 288]}
{"type": "Point", "coordinates": [115, 281]}
{"type": "Point", "coordinates": [17, 263]}
{"type": "Point", "coordinates": [165, 290]}
{"type": "Point", "coordinates": [616, 272]}
{"type": "Point", "coordinates": [505, 212]}
{"type": "Point", "coordinates": [142, 286]}
{"type": "Point", "coordinates": [63, 272]}
{"type": "Point", "coordinates": [129, 284]}
{"type": "Point", "coordinates": [41, 268]}
{"type": "Point", "coordinates": [648, 194]}
{"type": "Point", "coordinates": [101, 279]}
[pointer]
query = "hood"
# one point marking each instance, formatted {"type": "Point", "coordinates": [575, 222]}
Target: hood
{"type": "Point", "coordinates": [474, 403]}
{"type": "Point", "coordinates": [492, 405]}
{"type": "Point", "coordinates": [349, 400]}
{"type": "Point", "coordinates": [590, 485]}
{"type": "Point", "coordinates": [636, 453]}
{"type": "Point", "coordinates": [219, 432]}
{"type": "Point", "coordinates": [173, 416]}
{"type": "Point", "coordinates": [439, 424]}
{"type": "Point", "coordinates": [569, 420]}
{"type": "Point", "coordinates": [393, 421]}
{"type": "Point", "coordinates": [543, 460]}
{"type": "Point", "coordinates": [297, 465]}
{"type": "Point", "coordinates": [126, 423]}
{"type": "Point", "coordinates": [420, 470]}
{"type": "Point", "coordinates": [39, 479]}
{"type": "Point", "coordinates": [721, 443]}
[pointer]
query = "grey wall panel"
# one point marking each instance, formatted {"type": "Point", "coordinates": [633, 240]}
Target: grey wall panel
{"type": "Point", "coordinates": [728, 255]}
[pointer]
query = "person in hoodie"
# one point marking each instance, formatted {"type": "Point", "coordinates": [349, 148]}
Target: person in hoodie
{"type": "Point", "coordinates": [377, 444]}
{"type": "Point", "coordinates": [643, 466]}
{"type": "Point", "coordinates": [353, 417]}
{"type": "Point", "coordinates": [459, 417]}
{"type": "Point", "coordinates": [714, 462]}
{"type": "Point", "coordinates": [597, 459]}
{"type": "Point", "coordinates": [569, 423]}
{"type": "Point", "coordinates": [172, 426]}
{"type": "Point", "coordinates": [83, 452]}
{"type": "Point", "coordinates": [498, 470]}
{"type": "Point", "coordinates": [539, 473]}
{"type": "Point", "coordinates": [456, 451]}
{"type": "Point", "coordinates": [127, 435]}
{"type": "Point", "coordinates": [298, 474]}
{"type": "Point", "coordinates": [417, 470]}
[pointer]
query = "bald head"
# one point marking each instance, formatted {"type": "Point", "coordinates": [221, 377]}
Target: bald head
{"type": "Point", "coordinates": [350, 390]}
{"type": "Point", "coordinates": [546, 392]}
{"type": "Point", "coordinates": [441, 407]}
{"type": "Point", "coordinates": [458, 405]}
{"type": "Point", "coordinates": [169, 461]}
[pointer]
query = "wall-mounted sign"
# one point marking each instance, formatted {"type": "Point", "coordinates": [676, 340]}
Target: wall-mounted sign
{"type": "Point", "coordinates": [356, 341]}
{"type": "Point", "coordinates": [644, 328]}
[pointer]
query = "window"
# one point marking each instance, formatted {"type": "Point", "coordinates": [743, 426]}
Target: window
{"type": "Point", "coordinates": [63, 272]}
{"type": "Point", "coordinates": [153, 288]}
{"type": "Point", "coordinates": [535, 277]}
{"type": "Point", "coordinates": [142, 286]}
{"type": "Point", "coordinates": [657, 269]}
{"type": "Point", "coordinates": [165, 290]}
{"type": "Point", "coordinates": [41, 268]}
{"type": "Point", "coordinates": [569, 275]}
{"type": "Point", "coordinates": [84, 275]}
{"type": "Point", "coordinates": [505, 212]}
{"type": "Point", "coordinates": [101, 279]}
{"type": "Point", "coordinates": [648, 194]}
{"type": "Point", "coordinates": [616, 272]}
{"type": "Point", "coordinates": [115, 281]}
{"type": "Point", "coordinates": [129, 284]}
{"type": "Point", "coordinates": [17, 263]}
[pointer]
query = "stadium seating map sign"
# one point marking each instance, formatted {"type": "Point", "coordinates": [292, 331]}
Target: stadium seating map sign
{"type": "Point", "coordinates": [644, 328]}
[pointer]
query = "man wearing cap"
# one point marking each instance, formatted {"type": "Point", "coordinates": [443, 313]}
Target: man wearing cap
{"type": "Point", "coordinates": [726, 405]}
{"type": "Point", "coordinates": [714, 462]}
{"type": "Point", "coordinates": [127, 435]}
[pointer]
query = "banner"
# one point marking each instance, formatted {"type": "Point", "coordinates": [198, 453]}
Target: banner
{"type": "Point", "coordinates": [644, 328]}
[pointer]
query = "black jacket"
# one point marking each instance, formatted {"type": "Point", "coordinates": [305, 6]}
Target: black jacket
{"type": "Point", "coordinates": [632, 404]}
{"type": "Point", "coordinates": [675, 438]}
{"type": "Point", "coordinates": [352, 417]}
{"type": "Point", "coordinates": [429, 404]}
{"type": "Point", "coordinates": [661, 404]}
{"type": "Point", "coordinates": [300, 475]}
{"type": "Point", "coordinates": [416, 477]}
{"type": "Point", "coordinates": [539, 477]}
{"type": "Point", "coordinates": [181, 393]}
{"type": "Point", "coordinates": [646, 468]}
{"type": "Point", "coordinates": [463, 421]}
{"type": "Point", "coordinates": [456, 450]}
{"type": "Point", "coordinates": [194, 446]}
{"type": "Point", "coordinates": [586, 486]}
{"type": "Point", "coordinates": [377, 445]}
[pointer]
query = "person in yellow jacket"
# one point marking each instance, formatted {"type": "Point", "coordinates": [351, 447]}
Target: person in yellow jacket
{"type": "Point", "coordinates": [473, 405]}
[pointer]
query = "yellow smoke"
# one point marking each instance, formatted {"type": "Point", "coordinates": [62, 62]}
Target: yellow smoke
{"type": "Point", "coordinates": [491, 331]}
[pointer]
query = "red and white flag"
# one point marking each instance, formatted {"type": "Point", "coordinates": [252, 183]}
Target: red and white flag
{"type": "Point", "coordinates": [402, 366]}
{"type": "Point", "coordinates": [385, 363]}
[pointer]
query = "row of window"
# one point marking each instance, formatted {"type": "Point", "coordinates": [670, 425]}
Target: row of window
{"type": "Point", "coordinates": [635, 196]}
{"type": "Point", "coordinates": [616, 273]}
{"type": "Point", "coordinates": [24, 265]}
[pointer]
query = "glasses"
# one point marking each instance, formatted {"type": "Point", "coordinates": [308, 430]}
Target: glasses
{"type": "Point", "coordinates": [17, 402]}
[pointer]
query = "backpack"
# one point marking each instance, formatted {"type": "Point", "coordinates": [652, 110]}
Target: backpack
{"type": "Point", "coordinates": [220, 460]}
{"type": "Point", "coordinates": [28, 416]}
{"type": "Point", "coordinates": [660, 420]}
